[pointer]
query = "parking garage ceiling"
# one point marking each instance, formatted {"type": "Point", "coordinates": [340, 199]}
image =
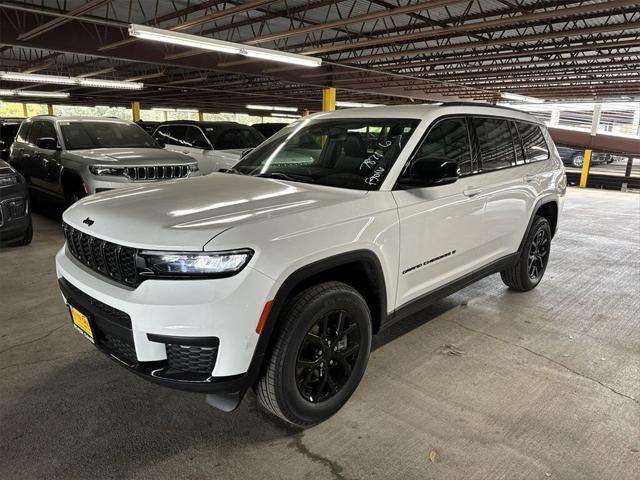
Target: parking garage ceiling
{"type": "Point", "coordinates": [378, 51]}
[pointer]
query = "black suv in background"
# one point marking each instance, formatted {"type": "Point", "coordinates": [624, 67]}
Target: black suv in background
{"type": "Point", "coordinates": [15, 217]}
{"type": "Point", "coordinates": [8, 130]}
{"type": "Point", "coordinates": [574, 157]}
{"type": "Point", "coordinates": [269, 129]}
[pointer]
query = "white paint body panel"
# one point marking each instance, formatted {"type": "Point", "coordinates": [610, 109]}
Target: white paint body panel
{"type": "Point", "coordinates": [290, 225]}
{"type": "Point", "coordinates": [210, 161]}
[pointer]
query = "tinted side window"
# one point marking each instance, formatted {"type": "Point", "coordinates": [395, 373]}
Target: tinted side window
{"type": "Point", "coordinates": [235, 138]}
{"type": "Point", "coordinates": [48, 130]}
{"type": "Point", "coordinates": [195, 138]}
{"type": "Point", "coordinates": [171, 135]}
{"type": "Point", "coordinates": [37, 129]}
{"type": "Point", "coordinates": [535, 146]}
{"type": "Point", "coordinates": [23, 133]}
{"type": "Point", "coordinates": [495, 143]}
{"type": "Point", "coordinates": [448, 140]}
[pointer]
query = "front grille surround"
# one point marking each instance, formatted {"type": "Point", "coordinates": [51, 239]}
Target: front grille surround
{"type": "Point", "coordinates": [157, 172]}
{"type": "Point", "coordinates": [114, 261]}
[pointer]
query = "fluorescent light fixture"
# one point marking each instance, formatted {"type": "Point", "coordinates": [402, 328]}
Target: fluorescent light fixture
{"type": "Point", "coordinates": [285, 115]}
{"type": "Point", "coordinates": [357, 105]}
{"type": "Point", "coordinates": [32, 77]}
{"type": "Point", "coordinates": [100, 83]}
{"type": "Point", "coordinates": [32, 93]}
{"type": "Point", "coordinates": [520, 98]}
{"type": "Point", "coordinates": [62, 80]}
{"type": "Point", "coordinates": [195, 41]}
{"type": "Point", "coordinates": [267, 107]}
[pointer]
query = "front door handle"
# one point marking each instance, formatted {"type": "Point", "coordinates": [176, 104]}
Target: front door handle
{"type": "Point", "coordinates": [471, 192]}
{"type": "Point", "coordinates": [530, 178]}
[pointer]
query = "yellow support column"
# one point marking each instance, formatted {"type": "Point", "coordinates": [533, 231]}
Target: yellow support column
{"type": "Point", "coordinates": [24, 110]}
{"type": "Point", "coordinates": [305, 113]}
{"type": "Point", "coordinates": [135, 110]}
{"type": "Point", "coordinates": [49, 109]}
{"type": "Point", "coordinates": [584, 174]}
{"type": "Point", "coordinates": [166, 116]}
{"type": "Point", "coordinates": [200, 116]}
{"type": "Point", "coordinates": [328, 99]}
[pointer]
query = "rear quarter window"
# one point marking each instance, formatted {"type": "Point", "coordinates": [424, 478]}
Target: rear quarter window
{"type": "Point", "coordinates": [535, 146]}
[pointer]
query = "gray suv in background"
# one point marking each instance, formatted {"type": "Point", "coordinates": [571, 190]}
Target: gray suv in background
{"type": "Point", "coordinates": [71, 157]}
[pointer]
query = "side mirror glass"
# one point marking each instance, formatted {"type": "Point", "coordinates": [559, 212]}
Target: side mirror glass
{"type": "Point", "coordinates": [246, 152]}
{"type": "Point", "coordinates": [47, 143]}
{"type": "Point", "coordinates": [430, 172]}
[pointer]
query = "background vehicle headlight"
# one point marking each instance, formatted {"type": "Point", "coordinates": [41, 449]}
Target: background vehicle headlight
{"type": "Point", "coordinates": [212, 264]}
{"type": "Point", "coordinates": [106, 170]}
{"type": "Point", "coordinates": [8, 180]}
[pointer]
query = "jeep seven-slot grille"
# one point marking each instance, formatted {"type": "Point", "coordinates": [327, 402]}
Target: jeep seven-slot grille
{"type": "Point", "coordinates": [162, 172]}
{"type": "Point", "coordinates": [114, 261]}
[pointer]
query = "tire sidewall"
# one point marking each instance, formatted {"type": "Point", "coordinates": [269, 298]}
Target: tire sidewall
{"type": "Point", "coordinates": [538, 224]}
{"type": "Point", "coordinates": [294, 404]}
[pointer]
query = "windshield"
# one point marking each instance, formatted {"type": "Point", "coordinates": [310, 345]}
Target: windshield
{"type": "Point", "coordinates": [83, 135]}
{"type": "Point", "coordinates": [346, 153]}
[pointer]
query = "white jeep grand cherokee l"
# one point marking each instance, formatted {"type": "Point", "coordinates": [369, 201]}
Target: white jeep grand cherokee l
{"type": "Point", "coordinates": [276, 274]}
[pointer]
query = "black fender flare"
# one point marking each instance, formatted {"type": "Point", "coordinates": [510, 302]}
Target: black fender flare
{"type": "Point", "coordinates": [305, 272]}
{"type": "Point", "coordinates": [543, 201]}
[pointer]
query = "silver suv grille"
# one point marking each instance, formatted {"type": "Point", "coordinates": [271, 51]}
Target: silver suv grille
{"type": "Point", "coordinates": [161, 172]}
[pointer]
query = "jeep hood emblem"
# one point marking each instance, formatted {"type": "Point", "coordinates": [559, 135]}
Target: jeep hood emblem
{"type": "Point", "coordinates": [88, 221]}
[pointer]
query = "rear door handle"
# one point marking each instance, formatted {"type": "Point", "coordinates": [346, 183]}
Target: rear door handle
{"type": "Point", "coordinates": [471, 192]}
{"type": "Point", "coordinates": [530, 178]}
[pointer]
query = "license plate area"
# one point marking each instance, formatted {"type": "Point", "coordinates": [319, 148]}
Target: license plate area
{"type": "Point", "coordinates": [81, 323]}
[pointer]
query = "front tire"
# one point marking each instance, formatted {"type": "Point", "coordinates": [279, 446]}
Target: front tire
{"type": "Point", "coordinates": [532, 263]}
{"type": "Point", "coordinates": [320, 354]}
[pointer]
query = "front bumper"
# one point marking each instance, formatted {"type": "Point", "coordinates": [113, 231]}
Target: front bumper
{"type": "Point", "coordinates": [196, 335]}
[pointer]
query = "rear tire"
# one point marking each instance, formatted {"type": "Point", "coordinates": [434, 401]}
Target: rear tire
{"type": "Point", "coordinates": [320, 355]}
{"type": "Point", "coordinates": [532, 263]}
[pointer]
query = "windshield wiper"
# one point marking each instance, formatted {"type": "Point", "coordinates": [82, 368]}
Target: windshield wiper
{"type": "Point", "coordinates": [294, 177]}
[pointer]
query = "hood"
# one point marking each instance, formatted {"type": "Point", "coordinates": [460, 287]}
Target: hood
{"type": "Point", "coordinates": [129, 156]}
{"type": "Point", "coordinates": [186, 214]}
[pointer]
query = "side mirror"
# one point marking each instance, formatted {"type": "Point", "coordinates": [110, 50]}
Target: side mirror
{"type": "Point", "coordinates": [202, 145]}
{"type": "Point", "coordinates": [47, 143]}
{"type": "Point", "coordinates": [246, 152]}
{"type": "Point", "coordinates": [430, 172]}
{"type": "Point", "coordinates": [161, 142]}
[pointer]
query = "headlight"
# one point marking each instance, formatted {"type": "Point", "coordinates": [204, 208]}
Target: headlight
{"type": "Point", "coordinates": [193, 167]}
{"type": "Point", "coordinates": [212, 264]}
{"type": "Point", "coordinates": [6, 180]}
{"type": "Point", "coordinates": [105, 170]}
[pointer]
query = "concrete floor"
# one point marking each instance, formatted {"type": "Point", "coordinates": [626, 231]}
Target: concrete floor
{"type": "Point", "coordinates": [546, 384]}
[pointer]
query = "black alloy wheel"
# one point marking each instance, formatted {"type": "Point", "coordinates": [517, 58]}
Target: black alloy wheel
{"type": "Point", "coordinates": [533, 258]}
{"type": "Point", "coordinates": [320, 354]}
{"type": "Point", "coordinates": [538, 254]}
{"type": "Point", "coordinates": [327, 356]}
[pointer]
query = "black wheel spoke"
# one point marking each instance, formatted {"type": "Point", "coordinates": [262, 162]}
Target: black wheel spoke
{"type": "Point", "coordinates": [340, 327]}
{"type": "Point", "coordinates": [327, 356]}
{"type": "Point", "coordinates": [538, 254]}
{"type": "Point", "coordinates": [312, 338]}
